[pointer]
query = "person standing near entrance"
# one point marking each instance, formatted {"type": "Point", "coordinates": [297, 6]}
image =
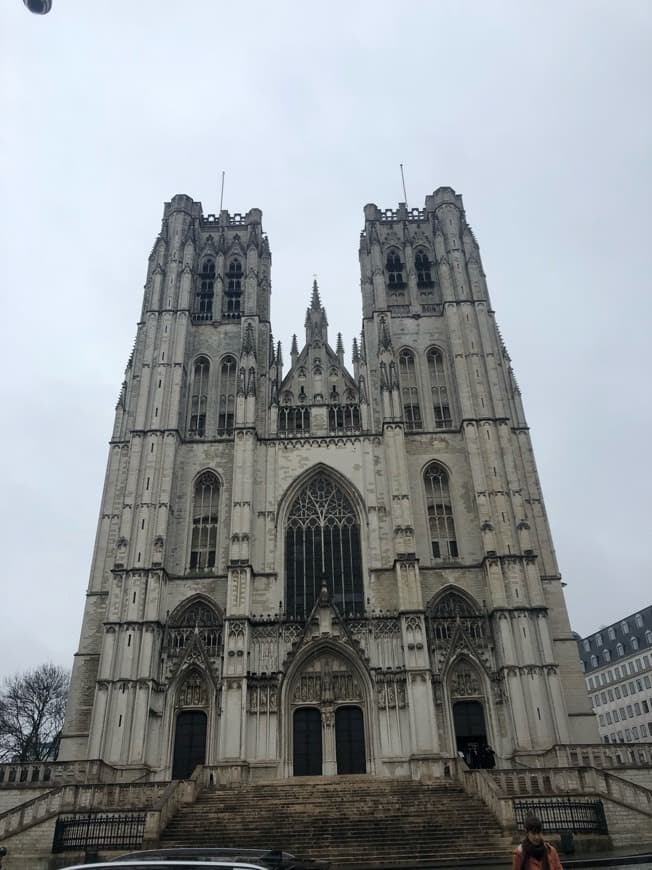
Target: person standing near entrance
{"type": "Point", "coordinates": [533, 853]}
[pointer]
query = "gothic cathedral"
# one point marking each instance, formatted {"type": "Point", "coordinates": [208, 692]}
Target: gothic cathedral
{"type": "Point", "coordinates": [321, 570]}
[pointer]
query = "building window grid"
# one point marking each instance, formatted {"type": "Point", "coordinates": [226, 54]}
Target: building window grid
{"type": "Point", "coordinates": [293, 420]}
{"type": "Point", "coordinates": [440, 513]}
{"type": "Point", "coordinates": [409, 391]}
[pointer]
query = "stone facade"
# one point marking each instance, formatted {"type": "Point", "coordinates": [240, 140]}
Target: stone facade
{"type": "Point", "coordinates": [320, 569]}
{"type": "Point", "coordinates": [617, 663]}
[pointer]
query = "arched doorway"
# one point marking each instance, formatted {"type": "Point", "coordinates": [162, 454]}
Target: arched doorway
{"type": "Point", "coordinates": [189, 743]}
{"type": "Point", "coordinates": [470, 728]}
{"type": "Point", "coordinates": [349, 740]}
{"type": "Point", "coordinates": [307, 742]}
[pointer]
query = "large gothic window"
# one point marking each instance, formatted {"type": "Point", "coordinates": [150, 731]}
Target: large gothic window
{"type": "Point", "coordinates": [440, 513]}
{"type": "Point", "coordinates": [203, 546]}
{"type": "Point", "coordinates": [322, 542]}
{"type": "Point", "coordinates": [409, 390]}
{"type": "Point", "coordinates": [226, 397]}
{"type": "Point", "coordinates": [199, 397]}
{"type": "Point", "coordinates": [440, 402]}
{"type": "Point", "coordinates": [205, 290]}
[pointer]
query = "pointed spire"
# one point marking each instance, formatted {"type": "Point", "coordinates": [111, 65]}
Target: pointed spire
{"type": "Point", "coordinates": [295, 348]}
{"type": "Point", "coordinates": [363, 348]}
{"type": "Point", "coordinates": [340, 348]}
{"type": "Point", "coordinates": [355, 356]}
{"type": "Point", "coordinates": [385, 339]}
{"type": "Point", "coordinates": [248, 344]}
{"type": "Point", "coordinates": [279, 355]}
{"type": "Point", "coordinates": [315, 302]}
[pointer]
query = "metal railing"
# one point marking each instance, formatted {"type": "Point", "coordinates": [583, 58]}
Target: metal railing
{"type": "Point", "coordinates": [98, 831]}
{"type": "Point", "coordinates": [564, 814]}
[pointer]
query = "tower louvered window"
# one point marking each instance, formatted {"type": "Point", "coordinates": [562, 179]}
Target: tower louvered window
{"type": "Point", "coordinates": [226, 397]}
{"type": "Point", "coordinates": [394, 270]}
{"type": "Point", "coordinates": [423, 269]}
{"type": "Point", "coordinates": [322, 544]}
{"type": "Point", "coordinates": [409, 390]}
{"type": "Point", "coordinates": [233, 290]}
{"type": "Point", "coordinates": [440, 402]}
{"type": "Point", "coordinates": [205, 291]}
{"type": "Point", "coordinates": [199, 397]}
{"type": "Point", "coordinates": [440, 513]}
{"type": "Point", "coordinates": [203, 548]}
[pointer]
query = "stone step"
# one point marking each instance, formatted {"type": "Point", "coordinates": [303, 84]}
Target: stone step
{"type": "Point", "coordinates": [348, 821]}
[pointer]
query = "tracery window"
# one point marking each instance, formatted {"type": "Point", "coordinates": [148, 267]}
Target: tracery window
{"type": "Point", "coordinates": [409, 390]}
{"type": "Point", "coordinates": [199, 396]}
{"type": "Point", "coordinates": [394, 270]}
{"type": "Point", "coordinates": [197, 616]}
{"type": "Point", "coordinates": [226, 397]}
{"type": "Point", "coordinates": [343, 418]}
{"type": "Point", "coordinates": [440, 513]}
{"type": "Point", "coordinates": [423, 268]}
{"type": "Point", "coordinates": [293, 420]}
{"type": "Point", "coordinates": [454, 609]}
{"type": "Point", "coordinates": [439, 389]}
{"type": "Point", "coordinates": [233, 290]}
{"type": "Point", "coordinates": [322, 543]}
{"type": "Point", "coordinates": [203, 547]}
{"type": "Point", "coordinates": [205, 291]}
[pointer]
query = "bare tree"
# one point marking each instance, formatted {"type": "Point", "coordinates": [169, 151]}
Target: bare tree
{"type": "Point", "coordinates": [32, 707]}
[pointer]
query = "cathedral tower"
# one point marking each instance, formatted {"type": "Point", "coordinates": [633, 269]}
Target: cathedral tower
{"type": "Point", "coordinates": [321, 570]}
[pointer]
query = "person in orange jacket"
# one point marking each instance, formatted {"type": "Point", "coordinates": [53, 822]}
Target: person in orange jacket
{"type": "Point", "coordinates": [533, 853]}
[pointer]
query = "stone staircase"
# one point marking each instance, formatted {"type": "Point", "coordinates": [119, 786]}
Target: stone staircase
{"type": "Point", "coordinates": [349, 821]}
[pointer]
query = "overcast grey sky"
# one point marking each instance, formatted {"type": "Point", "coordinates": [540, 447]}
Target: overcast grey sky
{"type": "Point", "coordinates": [538, 113]}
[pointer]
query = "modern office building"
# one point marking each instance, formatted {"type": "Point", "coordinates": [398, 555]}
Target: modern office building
{"type": "Point", "coordinates": [617, 663]}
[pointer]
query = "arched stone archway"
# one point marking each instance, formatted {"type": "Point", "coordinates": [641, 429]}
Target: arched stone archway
{"type": "Point", "coordinates": [469, 709]}
{"type": "Point", "coordinates": [331, 687]}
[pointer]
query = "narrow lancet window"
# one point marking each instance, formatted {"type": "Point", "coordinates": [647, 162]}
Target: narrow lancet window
{"type": "Point", "coordinates": [199, 397]}
{"type": "Point", "coordinates": [440, 513]}
{"type": "Point", "coordinates": [233, 290]}
{"type": "Point", "coordinates": [203, 548]}
{"type": "Point", "coordinates": [205, 291]}
{"type": "Point", "coordinates": [440, 402]}
{"type": "Point", "coordinates": [226, 397]}
{"type": "Point", "coordinates": [409, 391]}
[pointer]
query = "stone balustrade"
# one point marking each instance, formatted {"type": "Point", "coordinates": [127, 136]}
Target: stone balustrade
{"type": "Point", "coordinates": [555, 781]}
{"type": "Point", "coordinates": [602, 755]}
{"type": "Point", "coordinates": [80, 798]}
{"type": "Point", "coordinates": [28, 774]}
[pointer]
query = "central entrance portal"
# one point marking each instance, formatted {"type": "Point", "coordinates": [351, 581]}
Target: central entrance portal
{"type": "Point", "coordinates": [327, 717]}
{"type": "Point", "coordinates": [307, 742]}
{"type": "Point", "coordinates": [349, 740]}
